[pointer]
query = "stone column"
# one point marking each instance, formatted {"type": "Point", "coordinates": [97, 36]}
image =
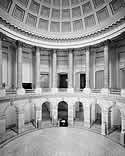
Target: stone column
{"type": "Point", "coordinates": [122, 135]}
{"type": "Point", "coordinates": [70, 113]}
{"type": "Point", "coordinates": [105, 90]}
{"type": "Point", "coordinates": [37, 69]}
{"type": "Point", "coordinates": [87, 88]}
{"type": "Point", "coordinates": [70, 74]}
{"type": "Point", "coordinates": [104, 125]}
{"type": "Point", "coordinates": [38, 116]}
{"type": "Point", "coordinates": [87, 116]}
{"type": "Point", "coordinates": [54, 63]}
{"type": "Point", "coordinates": [2, 124]}
{"type": "Point", "coordinates": [20, 90]}
{"type": "Point", "coordinates": [2, 90]}
{"type": "Point", "coordinates": [20, 119]}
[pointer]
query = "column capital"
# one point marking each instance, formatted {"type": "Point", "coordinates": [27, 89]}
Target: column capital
{"type": "Point", "coordinates": [87, 48]}
{"type": "Point", "coordinates": [106, 43]}
{"type": "Point", "coordinates": [20, 109]}
{"type": "Point", "coordinates": [1, 36]}
{"type": "Point", "coordinates": [19, 44]}
{"type": "Point", "coordinates": [54, 50]}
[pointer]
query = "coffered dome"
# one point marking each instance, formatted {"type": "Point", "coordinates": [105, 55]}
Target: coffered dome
{"type": "Point", "coordinates": [62, 19]}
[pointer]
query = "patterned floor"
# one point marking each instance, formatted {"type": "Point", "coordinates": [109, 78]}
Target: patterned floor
{"type": "Point", "coordinates": [62, 142]}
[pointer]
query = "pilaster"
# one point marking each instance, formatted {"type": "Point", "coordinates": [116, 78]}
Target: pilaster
{"type": "Point", "coordinates": [20, 90]}
{"type": "Point", "coordinates": [54, 112]}
{"type": "Point", "coordinates": [2, 90]}
{"type": "Point", "coordinates": [37, 69]}
{"type": "Point", "coordinates": [122, 135]}
{"type": "Point", "coordinates": [20, 118]}
{"type": "Point", "coordinates": [87, 89]}
{"type": "Point", "coordinates": [105, 90]}
{"type": "Point", "coordinates": [87, 116]}
{"type": "Point", "coordinates": [54, 64]}
{"type": "Point", "coordinates": [38, 116]}
{"type": "Point", "coordinates": [70, 114]}
{"type": "Point", "coordinates": [104, 125]}
{"type": "Point", "coordinates": [2, 124]}
{"type": "Point", "coordinates": [70, 74]}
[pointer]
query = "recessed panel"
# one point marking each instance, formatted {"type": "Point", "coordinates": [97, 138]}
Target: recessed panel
{"type": "Point", "coordinates": [98, 3]}
{"type": "Point", "coordinates": [74, 2]}
{"type": "Point", "coordinates": [87, 8]}
{"type": "Point", "coordinates": [89, 21]}
{"type": "Point", "coordinates": [102, 14]}
{"type": "Point", "coordinates": [45, 11]}
{"type": "Point", "coordinates": [55, 14]}
{"type": "Point", "coordinates": [76, 12]}
{"type": "Point", "coordinates": [65, 3]}
{"type": "Point", "coordinates": [43, 24]}
{"type": "Point", "coordinates": [55, 27]}
{"type": "Point", "coordinates": [5, 4]}
{"type": "Point", "coordinates": [23, 2]}
{"type": "Point", "coordinates": [47, 1]}
{"type": "Point", "coordinates": [66, 27]}
{"type": "Point", "coordinates": [56, 3]}
{"type": "Point", "coordinates": [65, 14]}
{"type": "Point", "coordinates": [116, 5]}
{"type": "Point", "coordinates": [77, 25]}
{"type": "Point", "coordinates": [18, 13]}
{"type": "Point", "coordinates": [31, 20]}
{"type": "Point", "coordinates": [34, 7]}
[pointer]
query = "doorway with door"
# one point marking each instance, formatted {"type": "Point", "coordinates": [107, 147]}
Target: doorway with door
{"type": "Point", "coordinates": [63, 80]}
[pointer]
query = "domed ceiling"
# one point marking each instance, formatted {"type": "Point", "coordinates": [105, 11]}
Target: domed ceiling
{"type": "Point", "coordinates": [62, 19]}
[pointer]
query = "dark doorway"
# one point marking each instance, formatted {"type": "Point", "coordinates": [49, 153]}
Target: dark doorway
{"type": "Point", "coordinates": [82, 81]}
{"type": "Point", "coordinates": [63, 80]}
{"type": "Point", "coordinates": [63, 113]}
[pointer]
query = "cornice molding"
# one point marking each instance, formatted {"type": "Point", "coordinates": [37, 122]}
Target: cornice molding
{"type": "Point", "coordinates": [62, 43]}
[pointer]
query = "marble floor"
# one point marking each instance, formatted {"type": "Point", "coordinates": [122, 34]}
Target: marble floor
{"type": "Point", "coordinates": [62, 141]}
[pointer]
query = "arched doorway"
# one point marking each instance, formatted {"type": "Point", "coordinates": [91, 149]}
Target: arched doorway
{"type": "Point", "coordinates": [63, 113]}
{"type": "Point", "coordinates": [96, 117]}
{"type": "Point", "coordinates": [115, 130]}
{"type": "Point", "coordinates": [46, 114]}
{"type": "Point", "coordinates": [78, 114]}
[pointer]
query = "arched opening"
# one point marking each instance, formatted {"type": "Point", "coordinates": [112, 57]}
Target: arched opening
{"type": "Point", "coordinates": [115, 119]}
{"type": "Point", "coordinates": [63, 113]}
{"type": "Point", "coordinates": [11, 118]}
{"type": "Point", "coordinates": [46, 112]}
{"type": "Point", "coordinates": [96, 117]}
{"type": "Point", "coordinates": [78, 113]}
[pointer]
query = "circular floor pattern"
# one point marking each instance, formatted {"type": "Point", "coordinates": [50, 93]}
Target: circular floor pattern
{"type": "Point", "coordinates": [62, 142]}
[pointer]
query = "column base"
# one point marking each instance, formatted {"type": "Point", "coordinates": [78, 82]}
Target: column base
{"type": "Point", "coordinates": [103, 129]}
{"type": "Point", "coordinates": [70, 123]}
{"type": "Point", "coordinates": [122, 138]}
{"type": "Point", "coordinates": [70, 90]}
{"type": "Point", "coordinates": [38, 91]}
{"type": "Point", "coordinates": [54, 90]}
{"type": "Point", "coordinates": [123, 92]}
{"type": "Point", "coordinates": [87, 124]}
{"type": "Point", "coordinates": [105, 91]}
{"type": "Point", "coordinates": [2, 92]}
{"type": "Point", "coordinates": [20, 91]}
{"type": "Point", "coordinates": [39, 124]}
{"type": "Point", "coordinates": [87, 90]}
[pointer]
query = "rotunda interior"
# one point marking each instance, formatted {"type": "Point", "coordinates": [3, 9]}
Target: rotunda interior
{"type": "Point", "coordinates": [62, 60]}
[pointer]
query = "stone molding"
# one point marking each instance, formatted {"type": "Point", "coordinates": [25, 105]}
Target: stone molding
{"type": "Point", "coordinates": [62, 43]}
